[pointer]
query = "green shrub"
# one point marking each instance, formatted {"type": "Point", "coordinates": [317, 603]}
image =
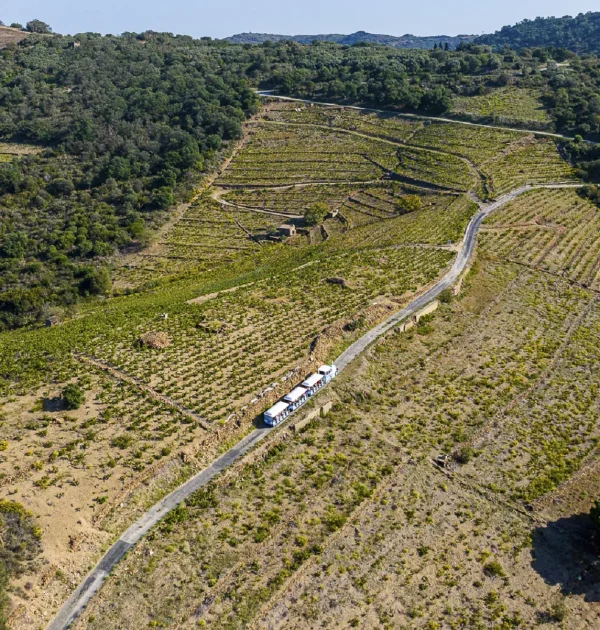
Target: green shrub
{"type": "Point", "coordinates": [315, 215]}
{"type": "Point", "coordinates": [73, 396]}
{"type": "Point", "coordinates": [446, 296]}
{"type": "Point", "coordinates": [494, 569]}
{"type": "Point", "coordinates": [121, 441]}
{"type": "Point", "coordinates": [464, 455]}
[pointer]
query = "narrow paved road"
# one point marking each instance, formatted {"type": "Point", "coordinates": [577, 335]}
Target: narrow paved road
{"type": "Point", "coordinates": [549, 134]}
{"type": "Point", "coordinates": [73, 607]}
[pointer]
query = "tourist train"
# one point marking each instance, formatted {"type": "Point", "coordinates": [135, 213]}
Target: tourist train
{"type": "Point", "coordinates": [299, 395]}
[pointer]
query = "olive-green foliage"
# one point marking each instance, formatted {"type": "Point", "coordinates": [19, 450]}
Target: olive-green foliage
{"type": "Point", "coordinates": [315, 215]}
{"type": "Point", "coordinates": [446, 296]}
{"type": "Point", "coordinates": [127, 124]}
{"type": "Point", "coordinates": [580, 33]}
{"type": "Point", "coordinates": [410, 203]}
{"type": "Point", "coordinates": [73, 396]}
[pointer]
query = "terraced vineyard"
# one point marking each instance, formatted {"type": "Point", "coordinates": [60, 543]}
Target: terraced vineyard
{"type": "Point", "coordinates": [246, 313]}
{"type": "Point", "coordinates": [289, 201]}
{"type": "Point", "coordinates": [554, 230]}
{"type": "Point", "coordinates": [436, 169]}
{"type": "Point", "coordinates": [508, 106]}
{"type": "Point", "coordinates": [205, 236]}
{"type": "Point", "coordinates": [229, 349]}
{"type": "Point", "coordinates": [279, 155]}
{"type": "Point", "coordinates": [533, 162]}
{"type": "Point", "coordinates": [387, 126]}
{"type": "Point", "coordinates": [477, 144]}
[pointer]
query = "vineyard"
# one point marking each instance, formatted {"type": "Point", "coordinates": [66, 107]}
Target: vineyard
{"type": "Point", "coordinates": [435, 169]}
{"type": "Point", "coordinates": [386, 126]}
{"type": "Point", "coordinates": [280, 155]}
{"type": "Point", "coordinates": [349, 523]}
{"type": "Point", "coordinates": [242, 313]}
{"type": "Point", "coordinates": [532, 162]}
{"type": "Point", "coordinates": [553, 230]}
{"type": "Point", "coordinates": [507, 106]}
{"type": "Point", "coordinates": [477, 144]}
{"type": "Point", "coordinates": [227, 350]}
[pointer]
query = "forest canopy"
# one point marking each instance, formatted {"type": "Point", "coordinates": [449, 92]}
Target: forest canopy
{"type": "Point", "coordinates": [580, 34]}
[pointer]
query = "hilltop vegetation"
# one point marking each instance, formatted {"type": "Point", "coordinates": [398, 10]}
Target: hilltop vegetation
{"type": "Point", "coordinates": [581, 34]}
{"type": "Point", "coordinates": [360, 37]}
{"type": "Point", "coordinates": [127, 125]}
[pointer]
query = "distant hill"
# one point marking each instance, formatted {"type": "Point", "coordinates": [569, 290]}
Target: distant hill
{"type": "Point", "coordinates": [404, 41]}
{"type": "Point", "coordinates": [580, 34]}
{"type": "Point", "coordinates": [11, 36]}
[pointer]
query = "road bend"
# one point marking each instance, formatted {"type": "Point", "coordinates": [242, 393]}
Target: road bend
{"type": "Point", "coordinates": [74, 606]}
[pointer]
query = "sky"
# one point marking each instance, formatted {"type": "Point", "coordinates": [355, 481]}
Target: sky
{"type": "Point", "coordinates": [221, 18]}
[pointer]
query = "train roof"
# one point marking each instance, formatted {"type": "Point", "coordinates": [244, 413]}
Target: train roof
{"type": "Point", "coordinates": [295, 394]}
{"type": "Point", "coordinates": [312, 380]}
{"type": "Point", "coordinates": [276, 409]}
{"type": "Point", "coordinates": [325, 369]}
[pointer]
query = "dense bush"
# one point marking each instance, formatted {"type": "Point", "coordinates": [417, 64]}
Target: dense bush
{"type": "Point", "coordinates": [580, 34]}
{"type": "Point", "coordinates": [73, 396]}
{"type": "Point", "coordinates": [128, 122]}
{"type": "Point", "coordinates": [315, 214]}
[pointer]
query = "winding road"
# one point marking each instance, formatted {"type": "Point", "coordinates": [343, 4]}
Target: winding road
{"type": "Point", "coordinates": [73, 607]}
{"type": "Point", "coordinates": [549, 134]}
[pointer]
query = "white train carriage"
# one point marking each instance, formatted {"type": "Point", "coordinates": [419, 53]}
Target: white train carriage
{"type": "Point", "coordinates": [313, 383]}
{"type": "Point", "coordinates": [277, 413]}
{"type": "Point", "coordinates": [299, 395]}
{"type": "Point", "coordinates": [296, 397]}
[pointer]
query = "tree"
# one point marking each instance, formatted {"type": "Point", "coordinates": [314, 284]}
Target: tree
{"type": "Point", "coordinates": [16, 25]}
{"type": "Point", "coordinates": [37, 26]}
{"type": "Point", "coordinates": [162, 198]}
{"type": "Point", "coordinates": [446, 296]}
{"type": "Point", "coordinates": [14, 245]}
{"type": "Point", "coordinates": [73, 396]}
{"type": "Point", "coordinates": [409, 203]}
{"type": "Point", "coordinates": [95, 281]}
{"type": "Point", "coordinates": [437, 100]}
{"type": "Point", "coordinates": [315, 214]}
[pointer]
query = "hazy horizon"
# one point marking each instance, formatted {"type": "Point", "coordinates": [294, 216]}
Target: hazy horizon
{"type": "Point", "coordinates": [266, 16]}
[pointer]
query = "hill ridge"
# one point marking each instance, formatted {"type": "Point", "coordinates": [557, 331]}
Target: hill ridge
{"type": "Point", "coordinates": [403, 41]}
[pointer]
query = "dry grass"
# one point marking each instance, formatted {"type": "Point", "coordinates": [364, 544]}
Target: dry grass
{"type": "Point", "coordinates": [10, 36]}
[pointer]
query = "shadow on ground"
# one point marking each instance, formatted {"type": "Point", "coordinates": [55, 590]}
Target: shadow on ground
{"type": "Point", "coordinates": [55, 403]}
{"type": "Point", "coordinates": [566, 553]}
